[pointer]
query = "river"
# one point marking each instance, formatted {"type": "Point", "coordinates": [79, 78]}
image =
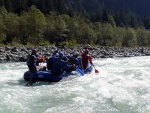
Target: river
{"type": "Point", "coordinates": [122, 86]}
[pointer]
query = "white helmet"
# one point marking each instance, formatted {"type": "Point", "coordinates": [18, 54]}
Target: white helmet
{"type": "Point", "coordinates": [76, 53]}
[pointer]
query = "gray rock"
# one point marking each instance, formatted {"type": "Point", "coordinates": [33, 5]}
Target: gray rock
{"type": "Point", "coordinates": [19, 54]}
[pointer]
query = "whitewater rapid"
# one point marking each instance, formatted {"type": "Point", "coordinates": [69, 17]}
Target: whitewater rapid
{"type": "Point", "coordinates": [122, 86]}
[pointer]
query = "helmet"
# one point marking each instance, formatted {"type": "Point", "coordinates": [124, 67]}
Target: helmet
{"type": "Point", "coordinates": [60, 54]}
{"type": "Point", "coordinates": [33, 52]}
{"type": "Point", "coordinates": [76, 53]}
{"type": "Point", "coordinates": [37, 55]}
{"type": "Point", "coordinates": [86, 51]}
{"type": "Point", "coordinates": [56, 55]}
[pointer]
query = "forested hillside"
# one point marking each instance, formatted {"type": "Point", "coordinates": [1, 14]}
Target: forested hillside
{"type": "Point", "coordinates": [139, 7]}
{"type": "Point", "coordinates": [97, 22]}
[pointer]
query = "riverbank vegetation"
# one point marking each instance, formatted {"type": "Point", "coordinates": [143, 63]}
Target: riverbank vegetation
{"type": "Point", "coordinates": [34, 27]}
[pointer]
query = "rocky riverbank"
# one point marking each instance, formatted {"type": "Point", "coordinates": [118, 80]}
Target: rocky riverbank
{"type": "Point", "coordinates": [19, 54]}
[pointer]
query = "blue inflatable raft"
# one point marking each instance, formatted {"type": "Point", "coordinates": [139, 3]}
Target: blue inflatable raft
{"type": "Point", "coordinates": [45, 76]}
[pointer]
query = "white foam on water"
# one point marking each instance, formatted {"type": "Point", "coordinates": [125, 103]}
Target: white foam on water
{"type": "Point", "coordinates": [122, 86]}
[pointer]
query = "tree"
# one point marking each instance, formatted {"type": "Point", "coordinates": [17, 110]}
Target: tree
{"type": "Point", "coordinates": [49, 6]}
{"type": "Point", "coordinates": [34, 24]}
{"type": "Point", "coordinates": [108, 34]}
{"type": "Point", "coordinates": [111, 20]}
{"type": "Point", "coordinates": [73, 27]}
{"type": "Point", "coordinates": [142, 37]}
{"type": "Point", "coordinates": [2, 26]}
{"type": "Point", "coordinates": [130, 39]}
{"type": "Point", "coordinates": [50, 29]}
{"type": "Point", "coordinates": [8, 5]}
{"type": "Point", "coordinates": [133, 22]}
{"type": "Point", "coordinates": [1, 2]}
{"type": "Point", "coordinates": [19, 5]}
{"type": "Point", "coordinates": [60, 27]}
{"type": "Point", "coordinates": [118, 36]}
{"type": "Point", "coordinates": [11, 23]}
{"type": "Point", "coordinates": [105, 16]}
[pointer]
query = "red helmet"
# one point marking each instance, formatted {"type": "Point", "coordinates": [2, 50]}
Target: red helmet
{"type": "Point", "coordinates": [86, 51]}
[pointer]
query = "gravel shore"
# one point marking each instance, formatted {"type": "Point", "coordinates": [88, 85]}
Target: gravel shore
{"type": "Point", "coordinates": [19, 54]}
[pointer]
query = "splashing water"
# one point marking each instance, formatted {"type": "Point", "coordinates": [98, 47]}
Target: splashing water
{"type": "Point", "coordinates": [122, 86]}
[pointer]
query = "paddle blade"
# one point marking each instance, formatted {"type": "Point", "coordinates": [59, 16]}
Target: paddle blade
{"type": "Point", "coordinates": [96, 71]}
{"type": "Point", "coordinates": [80, 71]}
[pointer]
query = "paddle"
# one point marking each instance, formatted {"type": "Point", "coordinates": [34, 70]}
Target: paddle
{"type": "Point", "coordinates": [28, 82]}
{"type": "Point", "coordinates": [96, 71]}
{"type": "Point", "coordinates": [80, 71]}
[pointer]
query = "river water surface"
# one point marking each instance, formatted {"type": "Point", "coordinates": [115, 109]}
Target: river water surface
{"type": "Point", "coordinates": [122, 86]}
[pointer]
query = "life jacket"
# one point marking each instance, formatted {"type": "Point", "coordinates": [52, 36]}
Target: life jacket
{"type": "Point", "coordinates": [39, 60]}
{"type": "Point", "coordinates": [84, 60]}
{"type": "Point", "coordinates": [58, 66]}
{"type": "Point", "coordinates": [50, 63]}
{"type": "Point", "coordinates": [28, 59]}
{"type": "Point", "coordinates": [72, 60]}
{"type": "Point", "coordinates": [31, 60]}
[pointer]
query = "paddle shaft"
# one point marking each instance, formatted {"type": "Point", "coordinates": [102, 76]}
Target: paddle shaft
{"type": "Point", "coordinates": [28, 82]}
